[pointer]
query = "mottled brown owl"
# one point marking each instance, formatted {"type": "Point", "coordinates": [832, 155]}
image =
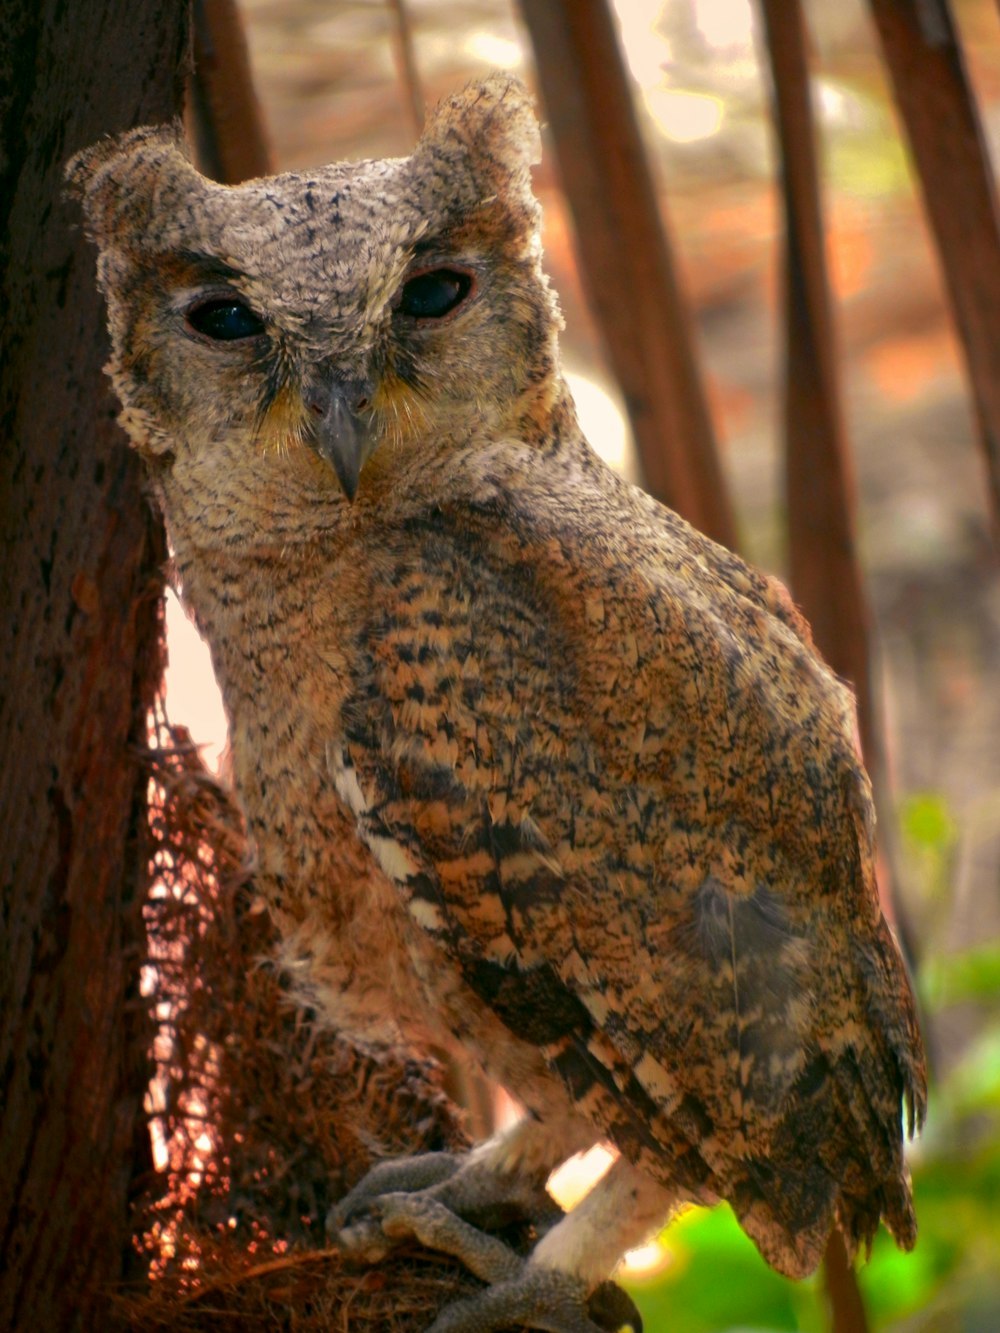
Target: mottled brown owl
{"type": "Point", "coordinates": [532, 768]}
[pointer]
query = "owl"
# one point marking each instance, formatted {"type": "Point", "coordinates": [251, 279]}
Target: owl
{"type": "Point", "coordinates": [533, 770]}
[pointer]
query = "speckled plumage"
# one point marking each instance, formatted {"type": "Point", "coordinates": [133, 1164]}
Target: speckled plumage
{"type": "Point", "coordinates": [529, 764]}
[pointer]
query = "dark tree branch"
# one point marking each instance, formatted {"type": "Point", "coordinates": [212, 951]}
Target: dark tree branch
{"type": "Point", "coordinates": [823, 565]}
{"type": "Point", "coordinates": [824, 571]}
{"type": "Point", "coordinates": [406, 65]}
{"type": "Point", "coordinates": [224, 116]}
{"type": "Point", "coordinates": [936, 102]}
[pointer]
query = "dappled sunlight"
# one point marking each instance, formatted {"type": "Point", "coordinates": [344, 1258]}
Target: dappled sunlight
{"type": "Point", "coordinates": [192, 694]}
{"type": "Point", "coordinates": [603, 422]}
{"type": "Point", "coordinates": [684, 117]}
{"type": "Point", "coordinates": [494, 50]}
{"type": "Point", "coordinates": [570, 1182]}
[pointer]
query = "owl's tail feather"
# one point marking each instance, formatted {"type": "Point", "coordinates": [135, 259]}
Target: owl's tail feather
{"type": "Point", "coordinates": [836, 1154]}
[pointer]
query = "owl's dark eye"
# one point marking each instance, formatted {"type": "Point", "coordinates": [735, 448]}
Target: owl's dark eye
{"type": "Point", "coordinates": [434, 294]}
{"type": "Point", "coordinates": [225, 320]}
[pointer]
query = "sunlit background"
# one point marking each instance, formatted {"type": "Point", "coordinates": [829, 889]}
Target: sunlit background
{"type": "Point", "coordinates": [329, 83]}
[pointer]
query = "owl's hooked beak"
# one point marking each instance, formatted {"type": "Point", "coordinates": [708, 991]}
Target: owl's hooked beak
{"type": "Point", "coordinates": [342, 432]}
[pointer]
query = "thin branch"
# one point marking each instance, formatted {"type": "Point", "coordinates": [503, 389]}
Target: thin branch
{"type": "Point", "coordinates": [824, 571]}
{"type": "Point", "coordinates": [225, 119]}
{"type": "Point", "coordinates": [406, 64]}
{"type": "Point", "coordinates": [847, 1308]}
{"type": "Point", "coordinates": [825, 574]}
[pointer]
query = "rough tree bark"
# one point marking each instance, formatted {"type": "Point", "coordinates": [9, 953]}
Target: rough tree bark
{"type": "Point", "coordinates": [78, 591]}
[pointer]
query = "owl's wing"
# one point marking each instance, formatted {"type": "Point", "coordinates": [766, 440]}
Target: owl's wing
{"type": "Point", "coordinates": [622, 795]}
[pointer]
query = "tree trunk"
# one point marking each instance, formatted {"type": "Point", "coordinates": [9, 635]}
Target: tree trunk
{"type": "Point", "coordinates": [79, 591]}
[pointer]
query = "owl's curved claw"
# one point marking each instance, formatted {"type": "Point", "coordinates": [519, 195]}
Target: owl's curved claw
{"type": "Point", "coordinates": [401, 1175]}
{"type": "Point", "coordinates": [465, 1184]}
{"type": "Point", "coordinates": [539, 1298]}
{"type": "Point", "coordinates": [543, 1299]}
{"type": "Point", "coordinates": [422, 1218]}
{"type": "Point", "coordinates": [520, 1292]}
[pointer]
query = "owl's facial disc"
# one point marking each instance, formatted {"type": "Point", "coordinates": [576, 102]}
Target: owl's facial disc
{"type": "Point", "coordinates": [342, 429]}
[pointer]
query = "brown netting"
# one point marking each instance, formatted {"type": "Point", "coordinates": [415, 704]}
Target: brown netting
{"type": "Point", "coordinates": [261, 1116]}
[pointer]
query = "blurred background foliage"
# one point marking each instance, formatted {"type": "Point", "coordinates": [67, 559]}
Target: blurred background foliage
{"type": "Point", "coordinates": [331, 81]}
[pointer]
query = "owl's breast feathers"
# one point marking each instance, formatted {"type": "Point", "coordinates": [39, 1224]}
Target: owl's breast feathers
{"type": "Point", "coordinates": [615, 782]}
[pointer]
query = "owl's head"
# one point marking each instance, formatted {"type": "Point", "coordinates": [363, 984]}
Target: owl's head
{"type": "Point", "coordinates": [319, 321]}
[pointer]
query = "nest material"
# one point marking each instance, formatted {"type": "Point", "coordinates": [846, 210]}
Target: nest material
{"type": "Point", "coordinates": [264, 1115]}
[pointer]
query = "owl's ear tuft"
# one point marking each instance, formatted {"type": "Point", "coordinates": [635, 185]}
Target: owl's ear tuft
{"type": "Point", "coordinates": [491, 129]}
{"type": "Point", "coordinates": [120, 180]}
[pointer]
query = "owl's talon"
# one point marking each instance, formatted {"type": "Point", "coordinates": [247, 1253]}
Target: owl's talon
{"type": "Point", "coordinates": [537, 1298]}
{"type": "Point", "coordinates": [363, 1241]}
{"type": "Point", "coordinates": [466, 1186]}
{"type": "Point", "coordinates": [518, 1292]}
{"type": "Point", "coordinates": [436, 1227]}
{"type": "Point", "coordinates": [612, 1308]}
{"type": "Point", "coordinates": [494, 1198]}
{"type": "Point", "coordinates": [401, 1175]}
{"type": "Point", "coordinates": [424, 1198]}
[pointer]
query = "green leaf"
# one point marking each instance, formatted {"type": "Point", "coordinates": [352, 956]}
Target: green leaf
{"type": "Point", "coordinates": [973, 974]}
{"type": "Point", "coordinates": [926, 821]}
{"type": "Point", "coordinates": [716, 1280]}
